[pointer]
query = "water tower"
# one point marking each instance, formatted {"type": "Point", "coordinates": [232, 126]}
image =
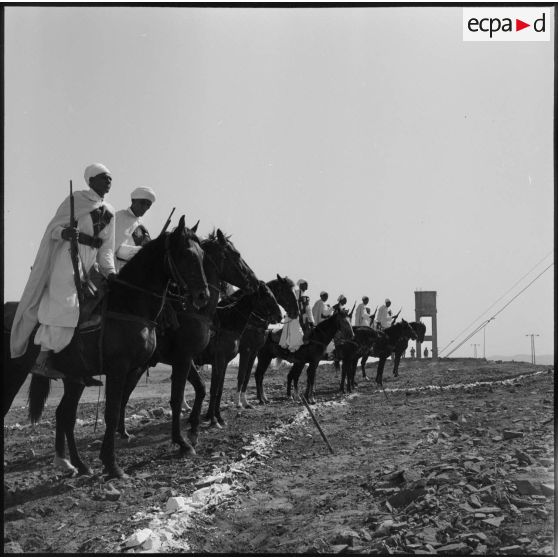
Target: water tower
{"type": "Point", "coordinates": [425, 307]}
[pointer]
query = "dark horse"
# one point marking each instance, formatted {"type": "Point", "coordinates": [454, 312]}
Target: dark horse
{"type": "Point", "coordinates": [125, 341]}
{"type": "Point", "coordinates": [233, 316]}
{"type": "Point", "coordinates": [403, 342]}
{"type": "Point", "coordinates": [253, 337]}
{"type": "Point", "coordinates": [311, 353]}
{"type": "Point", "coordinates": [382, 345]}
{"type": "Point", "coordinates": [186, 334]}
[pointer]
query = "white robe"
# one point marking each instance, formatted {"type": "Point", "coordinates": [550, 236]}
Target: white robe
{"type": "Point", "coordinates": [320, 309]}
{"type": "Point", "coordinates": [50, 295]}
{"type": "Point", "coordinates": [362, 318]}
{"type": "Point", "coordinates": [124, 246]}
{"type": "Point", "coordinates": [383, 316]}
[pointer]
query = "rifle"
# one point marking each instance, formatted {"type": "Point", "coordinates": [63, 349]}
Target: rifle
{"type": "Point", "coordinates": [396, 316]}
{"type": "Point", "coordinates": [373, 315]}
{"type": "Point", "coordinates": [168, 222]}
{"type": "Point", "coordinates": [74, 254]}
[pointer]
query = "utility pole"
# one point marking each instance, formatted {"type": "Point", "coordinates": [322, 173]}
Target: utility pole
{"type": "Point", "coordinates": [484, 338]}
{"type": "Point", "coordinates": [475, 345]}
{"type": "Point", "coordinates": [533, 356]}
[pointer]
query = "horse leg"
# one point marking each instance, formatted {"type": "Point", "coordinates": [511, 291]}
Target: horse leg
{"type": "Point", "coordinates": [132, 380]}
{"type": "Point", "coordinates": [223, 370]}
{"type": "Point", "coordinates": [72, 395]}
{"type": "Point", "coordinates": [343, 374]}
{"type": "Point", "coordinates": [178, 383]}
{"type": "Point", "coordinates": [264, 359]}
{"type": "Point", "coordinates": [294, 375]}
{"type": "Point", "coordinates": [245, 363]}
{"type": "Point", "coordinates": [60, 461]}
{"type": "Point", "coordinates": [352, 370]}
{"type": "Point", "coordinates": [310, 381]}
{"type": "Point", "coordinates": [363, 366]}
{"type": "Point", "coordinates": [213, 392]}
{"type": "Point", "coordinates": [198, 384]}
{"type": "Point", "coordinates": [380, 371]}
{"type": "Point", "coordinates": [396, 365]}
{"type": "Point", "coordinates": [114, 391]}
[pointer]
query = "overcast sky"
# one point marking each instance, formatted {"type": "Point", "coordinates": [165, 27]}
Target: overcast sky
{"type": "Point", "coordinates": [367, 150]}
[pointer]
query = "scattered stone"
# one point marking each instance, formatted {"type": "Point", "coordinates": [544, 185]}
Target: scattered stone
{"type": "Point", "coordinates": [338, 548]}
{"type": "Point", "coordinates": [527, 487]}
{"type": "Point", "coordinates": [514, 550]}
{"type": "Point", "coordinates": [523, 540]}
{"type": "Point", "coordinates": [547, 489]}
{"type": "Point", "coordinates": [405, 497]}
{"type": "Point", "coordinates": [14, 515]}
{"type": "Point", "coordinates": [346, 537]}
{"type": "Point", "coordinates": [511, 434]}
{"type": "Point", "coordinates": [152, 544]}
{"type": "Point", "coordinates": [546, 462]}
{"type": "Point", "coordinates": [524, 457]}
{"type": "Point", "coordinates": [495, 521]}
{"type": "Point", "coordinates": [158, 412]}
{"type": "Point", "coordinates": [175, 503]}
{"type": "Point", "coordinates": [384, 528]}
{"type": "Point", "coordinates": [96, 444]}
{"type": "Point", "coordinates": [111, 493]}
{"type": "Point", "coordinates": [13, 548]}
{"type": "Point", "coordinates": [481, 550]}
{"type": "Point", "coordinates": [454, 549]}
{"type": "Point", "coordinates": [497, 438]}
{"type": "Point", "coordinates": [139, 537]}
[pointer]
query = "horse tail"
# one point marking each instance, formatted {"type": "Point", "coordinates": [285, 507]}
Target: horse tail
{"type": "Point", "coordinates": [38, 393]}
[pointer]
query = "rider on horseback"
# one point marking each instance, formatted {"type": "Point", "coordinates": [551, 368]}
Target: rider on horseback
{"type": "Point", "coordinates": [130, 234]}
{"type": "Point", "coordinates": [50, 297]}
{"type": "Point", "coordinates": [383, 317]}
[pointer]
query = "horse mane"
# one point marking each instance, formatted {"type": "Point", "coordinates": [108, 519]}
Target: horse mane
{"type": "Point", "coordinates": [289, 281]}
{"type": "Point", "coordinates": [212, 236]}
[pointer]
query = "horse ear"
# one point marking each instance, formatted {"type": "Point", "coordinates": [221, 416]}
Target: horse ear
{"type": "Point", "coordinates": [221, 237]}
{"type": "Point", "coordinates": [279, 277]}
{"type": "Point", "coordinates": [195, 227]}
{"type": "Point", "coordinates": [181, 224]}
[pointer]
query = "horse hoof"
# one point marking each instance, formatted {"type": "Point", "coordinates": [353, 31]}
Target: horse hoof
{"type": "Point", "coordinates": [187, 451]}
{"type": "Point", "coordinates": [84, 470]}
{"type": "Point", "coordinates": [248, 406]}
{"type": "Point", "coordinates": [215, 424]}
{"type": "Point", "coordinates": [222, 422]}
{"type": "Point", "coordinates": [115, 472]}
{"type": "Point", "coordinates": [193, 438]}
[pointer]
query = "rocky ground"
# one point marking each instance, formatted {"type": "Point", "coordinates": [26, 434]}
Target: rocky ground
{"type": "Point", "coordinates": [455, 458]}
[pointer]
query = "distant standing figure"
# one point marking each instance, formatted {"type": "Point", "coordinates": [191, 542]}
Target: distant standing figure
{"type": "Point", "coordinates": [383, 316]}
{"type": "Point", "coordinates": [425, 352]}
{"type": "Point", "coordinates": [362, 315]}
{"type": "Point", "coordinates": [321, 310]}
{"type": "Point", "coordinates": [413, 352]}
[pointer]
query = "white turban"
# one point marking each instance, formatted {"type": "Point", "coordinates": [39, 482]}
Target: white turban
{"type": "Point", "coordinates": [387, 300]}
{"type": "Point", "coordinates": [94, 170]}
{"type": "Point", "coordinates": [300, 281]}
{"type": "Point", "coordinates": [143, 194]}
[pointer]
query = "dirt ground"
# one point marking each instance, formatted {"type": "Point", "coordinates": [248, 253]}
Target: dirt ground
{"type": "Point", "coordinates": [456, 457]}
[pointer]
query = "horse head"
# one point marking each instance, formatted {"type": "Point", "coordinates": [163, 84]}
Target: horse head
{"type": "Point", "coordinates": [228, 262]}
{"type": "Point", "coordinates": [407, 330]}
{"type": "Point", "coordinates": [420, 329]}
{"type": "Point", "coordinates": [184, 261]}
{"type": "Point", "coordinates": [344, 324]}
{"type": "Point", "coordinates": [282, 288]}
{"type": "Point", "coordinates": [266, 304]}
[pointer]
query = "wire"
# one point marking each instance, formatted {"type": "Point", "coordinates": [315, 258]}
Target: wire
{"type": "Point", "coordinates": [501, 309]}
{"type": "Point", "coordinates": [494, 303]}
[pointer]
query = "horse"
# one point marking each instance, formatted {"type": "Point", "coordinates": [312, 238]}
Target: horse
{"type": "Point", "coordinates": [233, 316]}
{"type": "Point", "coordinates": [187, 334]}
{"type": "Point", "coordinates": [124, 340]}
{"type": "Point", "coordinates": [253, 336]}
{"type": "Point", "coordinates": [384, 345]}
{"type": "Point", "coordinates": [310, 353]}
{"type": "Point", "coordinates": [401, 346]}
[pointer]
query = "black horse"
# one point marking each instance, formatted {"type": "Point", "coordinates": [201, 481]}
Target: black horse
{"type": "Point", "coordinates": [253, 337]}
{"type": "Point", "coordinates": [311, 353]}
{"type": "Point", "coordinates": [233, 316]}
{"type": "Point", "coordinates": [185, 334]}
{"type": "Point", "coordinates": [383, 345]}
{"type": "Point", "coordinates": [126, 339]}
{"type": "Point", "coordinates": [403, 342]}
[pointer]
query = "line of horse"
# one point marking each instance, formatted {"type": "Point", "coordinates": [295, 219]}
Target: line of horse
{"type": "Point", "coordinates": [165, 307]}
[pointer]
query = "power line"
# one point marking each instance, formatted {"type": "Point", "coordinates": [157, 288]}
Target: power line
{"type": "Point", "coordinates": [499, 311]}
{"type": "Point", "coordinates": [494, 303]}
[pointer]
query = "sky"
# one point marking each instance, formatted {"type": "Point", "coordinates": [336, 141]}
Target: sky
{"type": "Point", "coordinates": [370, 151]}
